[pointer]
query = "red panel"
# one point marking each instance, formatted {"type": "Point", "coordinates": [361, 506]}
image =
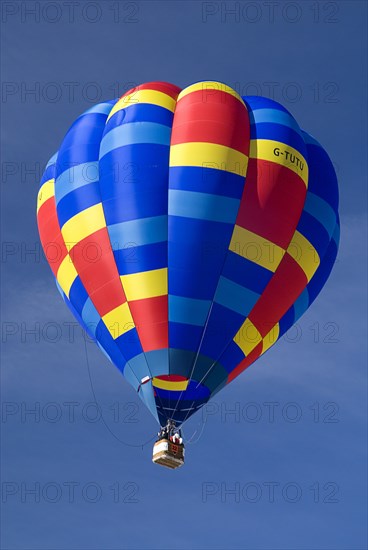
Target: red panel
{"type": "Point", "coordinates": [245, 363]}
{"type": "Point", "coordinates": [149, 310]}
{"type": "Point", "coordinates": [221, 119]}
{"type": "Point", "coordinates": [108, 297]}
{"type": "Point", "coordinates": [95, 263]}
{"type": "Point", "coordinates": [281, 292]}
{"type": "Point", "coordinates": [93, 257]}
{"type": "Point", "coordinates": [50, 230]}
{"type": "Point", "coordinates": [93, 250]}
{"type": "Point", "coordinates": [272, 201]}
{"type": "Point", "coordinates": [172, 377]}
{"type": "Point", "coordinates": [153, 336]}
{"type": "Point", "coordinates": [165, 87]}
{"type": "Point", "coordinates": [55, 252]}
{"type": "Point", "coordinates": [46, 223]}
{"type": "Point", "coordinates": [151, 320]}
{"type": "Point", "coordinates": [46, 211]}
{"type": "Point", "coordinates": [52, 241]}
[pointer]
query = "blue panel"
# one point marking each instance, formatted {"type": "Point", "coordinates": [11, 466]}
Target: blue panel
{"type": "Point", "coordinates": [232, 356]}
{"type": "Point", "coordinates": [336, 233]}
{"type": "Point", "coordinates": [50, 170]}
{"type": "Point", "coordinates": [222, 326]}
{"type": "Point", "coordinates": [321, 210]}
{"type": "Point", "coordinates": [90, 315]}
{"type": "Point", "coordinates": [109, 344]}
{"type": "Point", "coordinates": [181, 284]}
{"type": "Point", "coordinates": [80, 146]}
{"type": "Point", "coordinates": [139, 366]}
{"type": "Point", "coordinates": [76, 177]}
{"type": "Point", "coordinates": [254, 102]}
{"type": "Point", "coordinates": [102, 108]}
{"type": "Point", "coordinates": [52, 161]}
{"type": "Point", "coordinates": [199, 246]}
{"type": "Point", "coordinates": [320, 277]}
{"type": "Point", "coordinates": [131, 377]}
{"type": "Point", "coordinates": [273, 115]}
{"type": "Point", "coordinates": [188, 310]}
{"type": "Point", "coordinates": [141, 112]}
{"type": "Point", "coordinates": [235, 296]}
{"type": "Point", "coordinates": [140, 167]}
{"type": "Point", "coordinates": [210, 373]}
{"type": "Point", "coordinates": [206, 180]}
{"type": "Point", "coordinates": [212, 237]}
{"type": "Point", "coordinates": [184, 257]}
{"type": "Point", "coordinates": [78, 294]}
{"type": "Point", "coordinates": [129, 344]}
{"type": "Point", "coordinates": [184, 337]}
{"type": "Point", "coordinates": [140, 232]}
{"type": "Point", "coordinates": [128, 207]}
{"type": "Point", "coordinates": [312, 290]}
{"type": "Point", "coordinates": [286, 321]}
{"type": "Point", "coordinates": [134, 259]}
{"type": "Point", "coordinates": [312, 230]}
{"type": "Point", "coordinates": [302, 303]}
{"type": "Point", "coordinates": [203, 206]}
{"type": "Point", "coordinates": [277, 132]}
{"type": "Point", "coordinates": [322, 177]}
{"type": "Point", "coordinates": [146, 394]}
{"type": "Point", "coordinates": [80, 153]}
{"type": "Point", "coordinates": [135, 133]}
{"type": "Point", "coordinates": [158, 361]}
{"type": "Point", "coordinates": [181, 360]}
{"type": "Point", "coordinates": [77, 201]}
{"type": "Point", "coordinates": [145, 157]}
{"type": "Point", "coordinates": [74, 311]}
{"type": "Point", "coordinates": [194, 392]}
{"type": "Point", "coordinates": [246, 273]}
{"type": "Point", "coordinates": [87, 128]}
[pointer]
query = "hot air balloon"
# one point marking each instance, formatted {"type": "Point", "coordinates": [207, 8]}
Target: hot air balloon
{"type": "Point", "coordinates": [187, 230]}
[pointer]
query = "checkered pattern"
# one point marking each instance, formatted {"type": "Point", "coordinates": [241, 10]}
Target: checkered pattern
{"type": "Point", "coordinates": [187, 231]}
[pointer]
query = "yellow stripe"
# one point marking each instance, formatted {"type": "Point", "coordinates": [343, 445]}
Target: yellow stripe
{"type": "Point", "coordinates": [209, 88]}
{"type": "Point", "coordinates": [119, 320]}
{"type": "Point", "coordinates": [147, 284]}
{"type": "Point", "coordinates": [255, 248]}
{"type": "Point", "coordinates": [271, 337]}
{"type": "Point", "coordinates": [208, 154]}
{"type": "Point", "coordinates": [153, 97]}
{"type": "Point", "coordinates": [83, 224]}
{"type": "Point", "coordinates": [66, 274]}
{"type": "Point", "coordinates": [304, 253]}
{"type": "Point", "coordinates": [275, 151]}
{"type": "Point", "coordinates": [170, 385]}
{"type": "Point", "coordinates": [247, 337]}
{"type": "Point", "coordinates": [46, 192]}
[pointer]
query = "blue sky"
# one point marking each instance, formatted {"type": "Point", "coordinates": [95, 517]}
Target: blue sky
{"type": "Point", "coordinates": [294, 480]}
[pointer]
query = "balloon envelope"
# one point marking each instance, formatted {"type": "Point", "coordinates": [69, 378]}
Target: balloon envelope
{"type": "Point", "coordinates": [187, 231]}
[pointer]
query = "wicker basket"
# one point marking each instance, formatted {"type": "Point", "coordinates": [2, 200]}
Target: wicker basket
{"type": "Point", "coordinates": [168, 454]}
